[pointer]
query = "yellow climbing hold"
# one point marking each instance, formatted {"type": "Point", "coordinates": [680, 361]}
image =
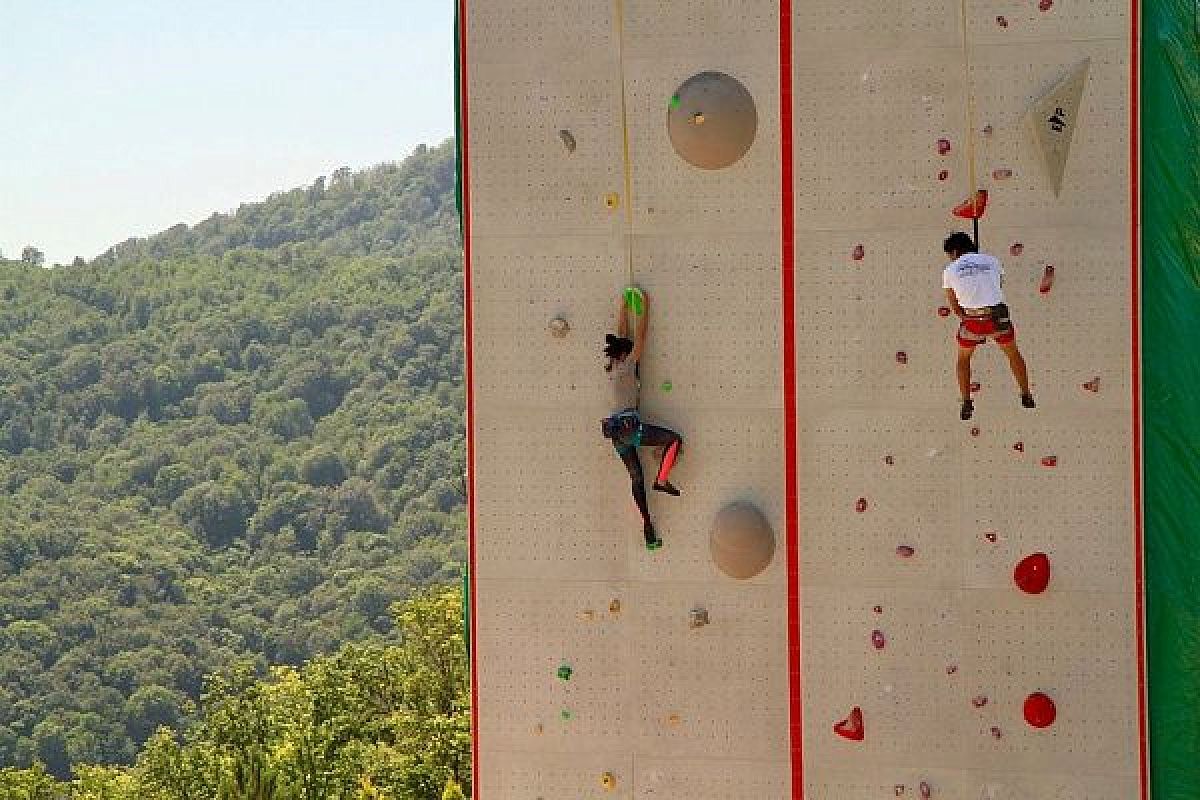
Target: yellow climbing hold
{"type": "Point", "coordinates": [608, 781]}
{"type": "Point", "coordinates": [612, 200]}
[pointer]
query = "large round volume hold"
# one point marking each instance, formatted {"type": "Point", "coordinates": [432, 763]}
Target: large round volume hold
{"type": "Point", "coordinates": [712, 120]}
{"type": "Point", "coordinates": [741, 541]}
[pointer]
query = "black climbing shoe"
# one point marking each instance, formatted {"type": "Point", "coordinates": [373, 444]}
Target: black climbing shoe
{"type": "Point", "coordinates": [652, 540]}
{"type": "Point", "coordinates": [1027, 400]}
{"type": "Point", "coordinates": [666, 486]}
{"type": "Point", "coordinates": [968, 408]}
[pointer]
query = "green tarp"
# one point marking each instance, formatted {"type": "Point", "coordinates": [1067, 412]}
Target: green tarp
{"type": "Point", "coordinates": [1170, 89]}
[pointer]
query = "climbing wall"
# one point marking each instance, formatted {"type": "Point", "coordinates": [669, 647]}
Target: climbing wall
{"type": "Point", "coordinates": [790, 249]}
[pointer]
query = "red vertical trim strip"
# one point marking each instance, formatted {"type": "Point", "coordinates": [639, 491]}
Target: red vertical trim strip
{"type": "Point", "coordinates": [1135, 337]}
{"type": "Point", "coordinates": [469, 355]}
{"type": "Point", "coordinates": [791, 466]}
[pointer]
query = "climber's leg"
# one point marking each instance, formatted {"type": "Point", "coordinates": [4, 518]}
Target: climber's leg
{"type": "Point", "coordinates": [637, 478]}
{"type": "Point", "coordinates": [672, 443]}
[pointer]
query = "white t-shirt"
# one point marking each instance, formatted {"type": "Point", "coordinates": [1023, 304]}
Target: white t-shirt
{"type": "Point", "coordinates": [975, 279]}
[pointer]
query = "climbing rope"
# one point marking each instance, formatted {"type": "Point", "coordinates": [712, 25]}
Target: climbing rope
{"type": "Point", "coordinates": [628, 169]}
{"type": "Point", "coordinates": [973, 186]}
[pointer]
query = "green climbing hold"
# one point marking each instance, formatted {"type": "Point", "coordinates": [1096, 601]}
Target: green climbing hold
{"type": "Point", "coordinates": [667, 386]}
{"type": "Point", "coordinates": [565, 672]}
{"type": "Point", "coordinates": [635, 300]}
{"type": "Point", "coordinates": [654, 545]}
{"type": "Point", "coordinates": [675, 101]}
{"type": "Point", "coordinates": [565, 714]}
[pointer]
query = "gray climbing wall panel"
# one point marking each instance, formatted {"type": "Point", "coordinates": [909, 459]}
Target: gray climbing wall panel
{"type": "Point", "coordinates": [557, 224]}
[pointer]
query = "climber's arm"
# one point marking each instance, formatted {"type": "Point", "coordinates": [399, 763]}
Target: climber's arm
{"type": "Point", "coordinates": [955, 306]}
{"type": "Point", "coordinates": [639, 339]}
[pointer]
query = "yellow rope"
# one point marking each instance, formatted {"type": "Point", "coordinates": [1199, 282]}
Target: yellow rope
{"type": "Point", "coordinates": [971, 174]}
{"type": "Point", "coordinates": [628, 199]}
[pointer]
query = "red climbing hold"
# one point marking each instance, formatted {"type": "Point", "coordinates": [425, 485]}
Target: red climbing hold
{"type": "Point", "coordinates": [877, 639]}
{"type": "Point", "coordinates": [1032, 573]}
{"type": "Point", "coordinates": [991, 536]}
{"type": "Point", "coordinates": [861, 505]}
{"type": "Point", "coordinates": [852, 726]}
{"type": "Point", "coordinates": [996, 732]}
{"type": "Point", "coordinates": [943, 146]}
{"type": "Point", "coordinates": [943, 174]}
{"type": "Point", "coordinates": [1093, 385]}
{"type": "Point", "coordinates": [1019, 447]}
{"type": "Point", "coordinates": [905, 551]}
{"type": "Point", "coordinates": [1002, 21]}
{"type": "Point", "coordinates": [1050, 461]}
{"type": "Point", "coordinates": [1045, 5]}
{"type": "Point", "coordinates": [858, 253]}
{"type": "Point", "coordinates": [878, 609]}
{"type": "Point", "coordinates": [1015, 249]}
{"type": "Point", "coordinates": [973, 207]}
{"type": "Point", "coordinates": [901, 357]}
{"type": "Point", "coordinates": [944, 311]}
{"type": "Point", "coordinates": [979, 700]}
{"type": "Point", "coordinates": [975, 386]}
{"type": "Point", "coordinates": [1047, 280]}
{"type": "Point", "coordinates": [926, 791]}
{"type": "Point", "coordinates": [1039, 710]}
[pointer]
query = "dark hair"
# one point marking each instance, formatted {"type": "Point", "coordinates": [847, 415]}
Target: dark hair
{"type": "Point", "coordinates": [958, 242]}
{"type": "Point", "coordinates": [615, 347]}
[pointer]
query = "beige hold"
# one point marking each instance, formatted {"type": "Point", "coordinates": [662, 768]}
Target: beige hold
{"type": "Point", "coordinates": [1054, 118]}
{"type": "Point", "coordinates": [712, 120]}
{"type": "Point", "coordinates": [741, 541]}
{"type": "Point", "coordinates": [559, 327]}
{"type": "Point", "coordinates": [614, 607]}
{"type": "Point", "coordinates": [698, 617]}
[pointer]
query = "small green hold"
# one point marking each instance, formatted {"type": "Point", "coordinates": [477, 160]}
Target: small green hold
{"type": "Point", "coordinates": [635, 300]}
{"type": "Point", "coordinates": [667, 386]}
{"type": "Point", "coordinates": [565, 672]}
{"type": "Point", "coordinates": [675, 101]}
{"type": "Point", "coordinates": [565, 714]}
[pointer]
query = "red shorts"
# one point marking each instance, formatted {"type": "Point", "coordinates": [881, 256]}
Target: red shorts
{"type": "Point", "coordinates": [976, 330]}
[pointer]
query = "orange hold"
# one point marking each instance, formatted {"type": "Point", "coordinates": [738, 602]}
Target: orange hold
{"type": "Point", "coordinates": [1040, 711]}
{"type": "Point", "coordinates": [1032, 573]}
{"type": "Point", "coordinates": [973, 207]}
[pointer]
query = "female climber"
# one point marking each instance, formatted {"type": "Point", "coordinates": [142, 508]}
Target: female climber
{"type": "Point", "coordinates": [625, 427]}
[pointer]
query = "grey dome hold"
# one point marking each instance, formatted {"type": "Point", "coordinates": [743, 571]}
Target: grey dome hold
{"type": "Point", "coordinates": [741, 541]}
{"type": "Point", "coordinates": [712, 120]}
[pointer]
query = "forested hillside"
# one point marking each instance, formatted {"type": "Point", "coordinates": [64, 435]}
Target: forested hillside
{"type": "Point", "coordinates": [238, 439]}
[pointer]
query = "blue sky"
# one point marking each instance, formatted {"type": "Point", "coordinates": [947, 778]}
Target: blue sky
{"type": "Point", "coordinates": [120, 118]}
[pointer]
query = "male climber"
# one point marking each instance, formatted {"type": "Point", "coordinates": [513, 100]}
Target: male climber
{"type": "Point", "coordinates": [625, 427]}
{"type": "Point", "coordinates": [973, 282]}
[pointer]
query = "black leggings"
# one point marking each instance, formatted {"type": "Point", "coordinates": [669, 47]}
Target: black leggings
{"type": "Point", "coordinates": [651, 436]}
